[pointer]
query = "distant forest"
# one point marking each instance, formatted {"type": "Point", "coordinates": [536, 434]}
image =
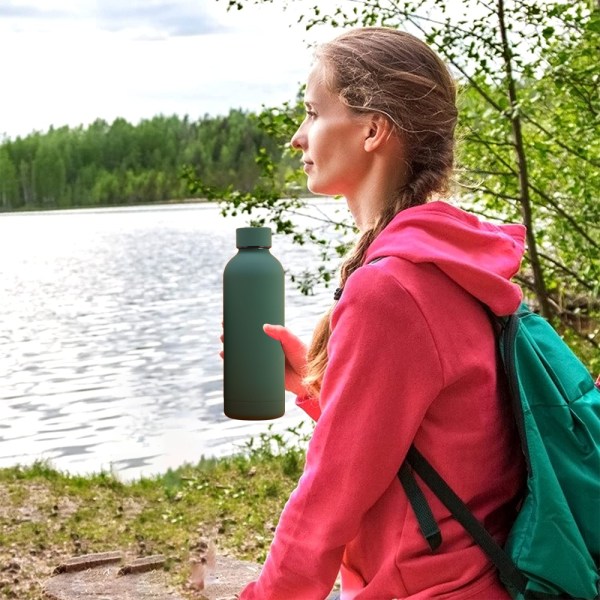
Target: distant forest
{"type": "Point", "coordinates": [120, 163]}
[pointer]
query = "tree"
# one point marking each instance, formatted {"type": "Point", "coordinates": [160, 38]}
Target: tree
{"type": "Point", "coordinates": [530, 148]}
{"type": "Point", "coordinates": [118, 162]}
{"type": "Point", "coordinates": [49, 173]}
{"type": "Point", "coordinates": [8, 181]}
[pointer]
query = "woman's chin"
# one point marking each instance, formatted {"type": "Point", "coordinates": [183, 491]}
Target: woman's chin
{"type": "Point", "coordinates": [319, 190]}
{"type": "Point", "coordinates": [312, 187]}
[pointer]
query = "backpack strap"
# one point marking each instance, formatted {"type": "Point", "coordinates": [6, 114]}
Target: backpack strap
{"type": "Point", "coordinates": [459, 510]}
{"type": "Point", "coordinates": [427, 523]}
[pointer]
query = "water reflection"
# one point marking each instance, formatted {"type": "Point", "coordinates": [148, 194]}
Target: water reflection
{"type": "Point", "coordinates": [109, 337]}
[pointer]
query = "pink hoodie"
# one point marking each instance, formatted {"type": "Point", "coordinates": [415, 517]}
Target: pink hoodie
{"type": "Point", "coordinates": [411, 357]}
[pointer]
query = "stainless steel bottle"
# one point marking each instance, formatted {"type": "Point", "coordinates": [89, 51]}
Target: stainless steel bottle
{"type": "Point", "coordinates": [254, 363]}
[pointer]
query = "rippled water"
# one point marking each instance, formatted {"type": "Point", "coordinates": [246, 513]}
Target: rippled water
{"type": "Point", "coordinates": [109, 337]}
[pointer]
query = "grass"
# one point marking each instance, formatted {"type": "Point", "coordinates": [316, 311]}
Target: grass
{"type": "Point", "coordinates": [47, 516]}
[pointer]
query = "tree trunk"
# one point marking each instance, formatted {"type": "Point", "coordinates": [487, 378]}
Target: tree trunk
{"type": "Point", "coordinates": [524, 198]}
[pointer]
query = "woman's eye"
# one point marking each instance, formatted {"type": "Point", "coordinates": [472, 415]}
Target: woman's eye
{"type": "Point", "coordinates": [311, 113]}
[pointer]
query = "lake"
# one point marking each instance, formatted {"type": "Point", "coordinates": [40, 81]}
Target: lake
{"type": "Point", "coordinates": [109, 336]}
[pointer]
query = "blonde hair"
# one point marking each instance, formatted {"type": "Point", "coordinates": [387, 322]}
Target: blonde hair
{"type": "Point", "coordinates": [378, 69]}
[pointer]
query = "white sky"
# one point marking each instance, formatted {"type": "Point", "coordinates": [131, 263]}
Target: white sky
{"type": "Point", "coordinates": [68, 62]}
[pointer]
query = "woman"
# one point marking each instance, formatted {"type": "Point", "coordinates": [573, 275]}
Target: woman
{"type": "Point", "coordinates": [407, 353]}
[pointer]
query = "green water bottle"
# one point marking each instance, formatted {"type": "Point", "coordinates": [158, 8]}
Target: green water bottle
{"type": "Point", "coordinates": [254, 363]}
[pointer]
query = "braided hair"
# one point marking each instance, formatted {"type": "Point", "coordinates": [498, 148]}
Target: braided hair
{"type": "Point", "coordinates": [384, 70]}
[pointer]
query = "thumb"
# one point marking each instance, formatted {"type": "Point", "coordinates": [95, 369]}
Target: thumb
{"type": "Point", "coordinates": [292, 345]}
{"type": "Point", "coordinates": [277, 332]}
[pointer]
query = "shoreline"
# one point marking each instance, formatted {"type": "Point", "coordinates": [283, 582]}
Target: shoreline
{"type": "Point", "coordinates": [154, 204]}
{"type": "Point", "coordinates": [47, 516]}
{"type": "Point", "coordinates": [47, 209]}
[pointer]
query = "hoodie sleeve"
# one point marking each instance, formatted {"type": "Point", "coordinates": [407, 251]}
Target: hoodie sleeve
{"type": "Point", "coordinates": [310, 406]}
{"type": "Point", "coordinates": [383, 373]}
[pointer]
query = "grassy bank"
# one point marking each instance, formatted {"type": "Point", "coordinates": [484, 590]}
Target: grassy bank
{"type": "Point", "coordinates": [47, 516]}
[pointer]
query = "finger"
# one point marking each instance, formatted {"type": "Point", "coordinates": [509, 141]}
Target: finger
{"type": "Point", "coordinates": [275, 331]}
{"type": "Point", "coordinates": [222, 354]}
{"type": "Point", "coordinates": [292, 345]}
{"type": "Point", "coordinates": [282, 335]}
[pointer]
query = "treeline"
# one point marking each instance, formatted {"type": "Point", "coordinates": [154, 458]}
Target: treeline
{"type": "Point", "coordinates": [121, 163]}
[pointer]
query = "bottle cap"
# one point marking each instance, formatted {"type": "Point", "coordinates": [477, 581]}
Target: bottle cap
{"type": "Point", "coordinates": [253, 237]}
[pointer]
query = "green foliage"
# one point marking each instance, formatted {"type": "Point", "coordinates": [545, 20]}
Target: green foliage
{"type": "Point", "coordinates": [119, 163]}
{"type": "Point", "coordinates": [8, 181]}
{"type": "Point", "coordinates": [289, 449]}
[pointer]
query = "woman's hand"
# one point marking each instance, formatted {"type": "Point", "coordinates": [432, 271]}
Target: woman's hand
{"type": "Point", "coordinates": [295, 357]}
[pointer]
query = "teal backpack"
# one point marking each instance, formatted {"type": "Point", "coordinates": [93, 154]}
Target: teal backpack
{"type": "Point", "coordinates": [553, 548]}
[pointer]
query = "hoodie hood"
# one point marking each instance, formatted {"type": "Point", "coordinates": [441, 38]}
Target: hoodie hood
{"type": "Point", "coordinates": [479, 256]}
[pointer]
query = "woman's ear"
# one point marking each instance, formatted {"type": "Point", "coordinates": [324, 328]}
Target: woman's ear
{"type": "Point", "coordinates": [379, 130]}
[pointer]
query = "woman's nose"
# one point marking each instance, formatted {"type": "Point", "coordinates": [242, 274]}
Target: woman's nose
{"type": "Point", "coordinates": [297, 140]}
